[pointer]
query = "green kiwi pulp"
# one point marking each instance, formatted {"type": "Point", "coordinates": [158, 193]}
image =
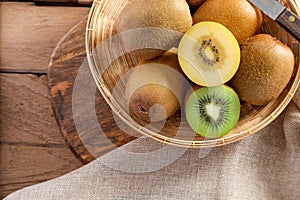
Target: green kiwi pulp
{"type": "Point", "coordinates": [213, 112]}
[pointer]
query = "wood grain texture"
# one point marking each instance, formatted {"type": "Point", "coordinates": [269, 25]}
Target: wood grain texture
{"type": "Point", "coordinates": [24, 165]}
{"type": "Point", "coordinates": [99, 131]}
{"type": "Point", "coordinates": [32, 147]}
{"type": "Point", "coordinates": [31, 33]}
{"type": "Point", "coordinates": [26, 115]}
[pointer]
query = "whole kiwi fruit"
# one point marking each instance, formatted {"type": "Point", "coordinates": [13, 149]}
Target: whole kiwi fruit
{"type": "Point", "coordinates": [155, 88]}
{"type": "Point", "coordinates": [265, 69]}
{"type": "Point", "coordinates": [149, 27]}
{"type": "Point", "coordinates": [239, 16]}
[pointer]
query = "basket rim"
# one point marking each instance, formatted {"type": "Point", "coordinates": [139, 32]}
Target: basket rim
{"type": "Point", "coordinates": [231, 138]}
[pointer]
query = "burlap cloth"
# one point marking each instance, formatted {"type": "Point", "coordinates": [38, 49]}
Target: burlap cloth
{"type": "Point", "coordinates": [265, 165]}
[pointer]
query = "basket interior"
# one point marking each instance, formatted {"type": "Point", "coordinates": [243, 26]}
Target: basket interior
{"type": "Point", "coordinates": [111, 65]}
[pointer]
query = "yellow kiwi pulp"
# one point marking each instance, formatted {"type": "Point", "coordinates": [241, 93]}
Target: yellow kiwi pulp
{"type": "Point", "coordinates": [147, 27]}
{"type": "Point", "coordinates": [209, 54]}
{"type": "Point", "coordinates": [265, 69]}
{"type": "Point", "coordinates": [239, 16]}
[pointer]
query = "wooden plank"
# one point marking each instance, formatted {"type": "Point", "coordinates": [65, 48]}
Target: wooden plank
{"type": "Point", "coordinates": [24, 165]}
{"type": "Point", "coordinates": [31, 145]}
{"type": "Point", "coordinates": [26, 113]}
{"type": "Point", "coordinates": [31, 33]}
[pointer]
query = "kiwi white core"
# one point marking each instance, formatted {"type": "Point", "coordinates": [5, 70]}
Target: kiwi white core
{"type": "Point", "coordinates": [208, 53]}
{"type": "Point", "coordinates": [213, 110]}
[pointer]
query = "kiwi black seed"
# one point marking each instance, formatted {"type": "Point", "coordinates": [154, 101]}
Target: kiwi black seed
{"type": "Point", "coordinates": [213, 112]}
{"type": "Point", "coordinates": [202, 52]}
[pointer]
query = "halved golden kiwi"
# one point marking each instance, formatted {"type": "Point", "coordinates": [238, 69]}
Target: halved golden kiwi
{"type": "Point", "coordinates": [209, 54]}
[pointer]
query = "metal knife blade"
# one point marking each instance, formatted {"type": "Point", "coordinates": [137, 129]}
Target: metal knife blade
{"type": "Point", "coordinates": [272, 8]}
{"type": "Point", "coordinates": [283, 16]}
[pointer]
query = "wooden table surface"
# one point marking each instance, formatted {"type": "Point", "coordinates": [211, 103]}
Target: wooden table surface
{"type": "Point", "coordinates": [32, 148]}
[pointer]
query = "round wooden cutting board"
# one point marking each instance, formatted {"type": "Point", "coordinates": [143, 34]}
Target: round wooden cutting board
{"type": "Point", "coordinates": [85, 119]}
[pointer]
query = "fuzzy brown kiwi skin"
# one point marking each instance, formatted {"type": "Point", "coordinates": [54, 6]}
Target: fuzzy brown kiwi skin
{"type": "Point", "coordinates": [140, 103]}
{"type": "Point", "coordinates": [173, 16]}
{"type": "Point", "coordinates": [265, 69]}
{"type": "Point", "coordinates": [239, 16]}
{"type": "Point", "coordinates": [146, 96]}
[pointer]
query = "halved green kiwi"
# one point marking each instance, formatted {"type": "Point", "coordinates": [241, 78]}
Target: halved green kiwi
{"type": "Point", "coordinates": [213, 112]}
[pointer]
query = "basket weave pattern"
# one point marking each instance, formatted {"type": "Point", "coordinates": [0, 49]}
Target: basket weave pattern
{"type": "Point", "coordinates": [103, 48]}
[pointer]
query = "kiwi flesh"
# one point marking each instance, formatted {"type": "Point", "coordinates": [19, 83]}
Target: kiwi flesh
{"type": "Point", "coordinates": [155, 88]}
{"type": "Point", "coordinates": [213, 112]}
{"type": "Point", "coordinates": [265, 69]}
{"type": "Point", "coordinates": [239, 16]}
{"type": "Point", "coordinates": [149, 27]}
{"type": "Point", "coordinates": [209, 54]}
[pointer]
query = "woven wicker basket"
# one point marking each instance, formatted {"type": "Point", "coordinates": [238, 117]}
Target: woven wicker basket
{"type": "Point", "coordinates": [103, 48]}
